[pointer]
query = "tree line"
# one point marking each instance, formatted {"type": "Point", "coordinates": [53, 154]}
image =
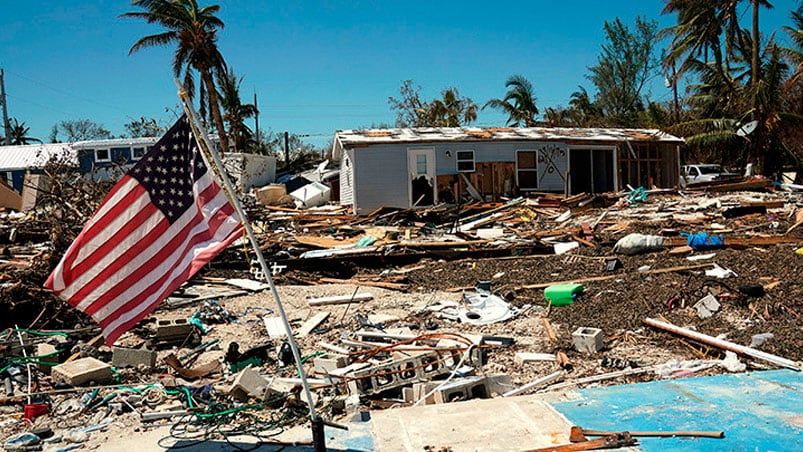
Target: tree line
{"type": "Point", "coordinates": [741, 99]}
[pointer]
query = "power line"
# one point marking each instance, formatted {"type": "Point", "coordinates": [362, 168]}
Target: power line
{"type": "Point", "coordinates": [66, 93]}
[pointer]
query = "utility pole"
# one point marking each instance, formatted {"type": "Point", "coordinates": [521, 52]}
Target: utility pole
{"type": "Point", "coordinates": [256, 118]}
{"type": "Point", "coordinates": [286, 149]}
{"type": "Point", "coordinates": [5, 110]}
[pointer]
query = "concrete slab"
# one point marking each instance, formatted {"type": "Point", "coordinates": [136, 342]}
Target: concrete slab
{"type": "Point", "coordinates": [509, 424]}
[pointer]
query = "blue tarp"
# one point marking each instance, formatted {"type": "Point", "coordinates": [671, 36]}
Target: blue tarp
{"type": "Point", "coordinates": [758, 411]}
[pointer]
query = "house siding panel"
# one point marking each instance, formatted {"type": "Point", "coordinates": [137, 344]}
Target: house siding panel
{"type": "Point", "coordinates": [380, 178]}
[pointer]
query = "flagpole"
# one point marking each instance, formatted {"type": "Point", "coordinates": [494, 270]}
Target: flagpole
{"type": "Point", "coordinates": [217, 164]}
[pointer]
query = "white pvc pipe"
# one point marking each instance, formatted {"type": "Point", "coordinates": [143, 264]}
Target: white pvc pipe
{"type": "Point", "coordinates": [723, 344]}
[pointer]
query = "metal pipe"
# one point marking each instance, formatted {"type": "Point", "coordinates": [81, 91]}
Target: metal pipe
{"type": "Point", "coordinates": [723, 344]}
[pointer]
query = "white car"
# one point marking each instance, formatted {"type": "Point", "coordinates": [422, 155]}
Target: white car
{"type": "Point", "coordinates": [690, 174]}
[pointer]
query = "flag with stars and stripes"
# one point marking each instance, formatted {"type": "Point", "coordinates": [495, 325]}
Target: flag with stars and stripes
{"type": "Point", "coordinates": [160, 224]}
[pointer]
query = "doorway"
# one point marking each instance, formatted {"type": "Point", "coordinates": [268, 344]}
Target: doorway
{"type": "Point", "coordinates": [421, 170]}
{"type": "Point", "coordinates": [591, 170]}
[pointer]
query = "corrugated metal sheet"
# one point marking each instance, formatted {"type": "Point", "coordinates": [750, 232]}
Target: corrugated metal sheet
{"type": "Point", "coordinates": [356, 138]}
{"type": "Point", "coordinates": [34, 155]}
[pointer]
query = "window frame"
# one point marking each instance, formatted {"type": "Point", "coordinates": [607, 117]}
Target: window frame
{"type": "Point", "coordinates": [134, 156]}
{"type": "Point", "coordinates": [458, 161]}
{"type": "Point", "coordinates": [534, 169]}
{"type": "Point", "coordinates": [108, 155]}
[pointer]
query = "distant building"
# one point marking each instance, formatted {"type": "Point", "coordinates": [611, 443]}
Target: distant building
{"type": "Point", "coordinates": [425, 166]}
{"type": "Point", "coordinates": [111, 158]}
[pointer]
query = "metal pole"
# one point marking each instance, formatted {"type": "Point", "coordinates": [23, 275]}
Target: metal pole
{"type": "Point", "coordinates": [204, 138]}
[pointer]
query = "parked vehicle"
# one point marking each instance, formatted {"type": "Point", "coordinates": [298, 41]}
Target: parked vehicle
{"type": "Point", "coordinates": [690, 174]}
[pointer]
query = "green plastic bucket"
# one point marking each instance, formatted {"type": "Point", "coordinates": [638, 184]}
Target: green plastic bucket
{"type": "Point", "coordinates": [562, 294]}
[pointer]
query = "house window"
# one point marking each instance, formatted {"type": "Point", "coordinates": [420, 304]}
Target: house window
{"type": "Point", "coordinates": [420, 164]}
{"type": "Point", "coordinates": [103, 155]}
{"type": "Point", "coordinates": [527, 170]}
{"type": "Point", "coordinates": [465, 161]}
{"type": "Point", "coordinates": [137, 153]}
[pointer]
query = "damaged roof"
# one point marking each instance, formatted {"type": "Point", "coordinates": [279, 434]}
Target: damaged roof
{"type": "Point", "coordinates": [350, 138]}
{"type": "Point", "coordinates": [34, 155]}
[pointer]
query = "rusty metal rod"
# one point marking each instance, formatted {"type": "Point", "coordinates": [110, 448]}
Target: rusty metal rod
{"type": "Point", "coordinates": [659, 434]}
{"type": "Point", "coordinates": [723, 344]}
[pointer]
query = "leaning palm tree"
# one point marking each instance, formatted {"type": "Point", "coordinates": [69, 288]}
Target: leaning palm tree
{"type": "Point", "coordinates": [234, 111]}
{"type": "Point", "coordinates": [519, 102]}
{"type": "Point", "coordinates": [194, 31]}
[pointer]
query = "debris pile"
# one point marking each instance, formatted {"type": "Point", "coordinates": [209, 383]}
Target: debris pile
{"type": "Point", "coordinates": [409, 307]}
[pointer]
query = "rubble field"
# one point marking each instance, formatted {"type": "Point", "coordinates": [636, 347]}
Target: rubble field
{"type": "Point", "coordinates": [387, 309]}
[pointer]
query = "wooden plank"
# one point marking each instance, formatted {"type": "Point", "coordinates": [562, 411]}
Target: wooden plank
{"type": "Point", "coordinates": [312, 323]}
{"type": "Point", "coordinates": [340, 299]}
{"type": "Point", "coordinates": [360, 282]}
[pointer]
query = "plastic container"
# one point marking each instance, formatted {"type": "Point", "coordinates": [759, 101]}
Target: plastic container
{"type": "Point", "coordinates": [32, 411]}
{"type": "Point", "coordinates": [562, 294]}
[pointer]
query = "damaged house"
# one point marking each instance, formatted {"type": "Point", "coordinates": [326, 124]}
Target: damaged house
{"type": "Point", "coordinates": [425, 166]}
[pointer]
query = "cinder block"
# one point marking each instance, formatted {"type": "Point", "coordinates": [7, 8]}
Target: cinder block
{"type": "Point", "coordinates": [462, 389]}
{"type": "Point", "coordinates": [587, 340]}
{"type": "Point", "coordinates": [247, 383]}
{"type": "Point", "coordinates": [50, 354]}
{"type": "Point", "coordinates": [170, 329]}
{"type": "Point", "coordinates": [328, 362]}
{"type": "Point", "coordinates": [82, 371]}
{"type": "Point", "coordinates": [133, 357]}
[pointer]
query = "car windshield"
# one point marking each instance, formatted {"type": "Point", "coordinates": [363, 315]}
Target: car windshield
{"type": "Point", "coordinates": [710, 169]}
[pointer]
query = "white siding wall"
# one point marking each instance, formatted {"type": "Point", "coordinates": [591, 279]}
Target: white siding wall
{"type": "Point", "coordinates": [380, 177]}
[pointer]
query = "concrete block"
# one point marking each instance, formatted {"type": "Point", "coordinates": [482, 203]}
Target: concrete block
{"type": "Point", "coordinates": [49, 351]}
{"type": "Point", "coordinates": [587, 340]}
{"type": "Point", "coordinates": [397, 373]}
{"type": "Point", "coordinates": [82, 371]}
{"type": "Point", "coordinates": [172, 329]}
{"type": "Point", "coordinates": [462, 389]}
{"type": "Point", "coordinates": [133, 357]}
{"type": "Point", "coordinates": [328, 362]}
{"type": "Point", "coordinates": [248, 383]}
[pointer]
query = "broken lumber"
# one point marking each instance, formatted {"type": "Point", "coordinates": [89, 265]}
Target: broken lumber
{"type": "Point", "coordinates": [723, 344]}
{"type": "Point", "coordinates": [340, 299]}
{"type": "Point", "coordinates": [312, 323]}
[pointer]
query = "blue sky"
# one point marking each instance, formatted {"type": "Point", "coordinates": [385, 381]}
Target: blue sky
{"type": "Point", "coordinates": [317, 66]}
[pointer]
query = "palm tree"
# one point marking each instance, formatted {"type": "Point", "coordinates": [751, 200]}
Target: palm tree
{"type": "Point", "coordinates": [194, 31]}
{"type": "Point", "coordinates": [796, 34]}
{"type": "Point", "coordinates": [452, 110]}
{"type": "Point", "coordinates": [519, 102]}
{"type": "Point", "coordinates": [234, 111]}
{"type": "Point", "coordinates": [18, 133]}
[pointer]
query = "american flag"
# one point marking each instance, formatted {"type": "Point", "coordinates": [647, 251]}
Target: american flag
{"type": "Point", "coordinates": [159, 225]}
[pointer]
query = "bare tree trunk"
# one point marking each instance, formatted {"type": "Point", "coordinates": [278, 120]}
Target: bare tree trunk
{"type": "Point", "coordinates": [214, 105]}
